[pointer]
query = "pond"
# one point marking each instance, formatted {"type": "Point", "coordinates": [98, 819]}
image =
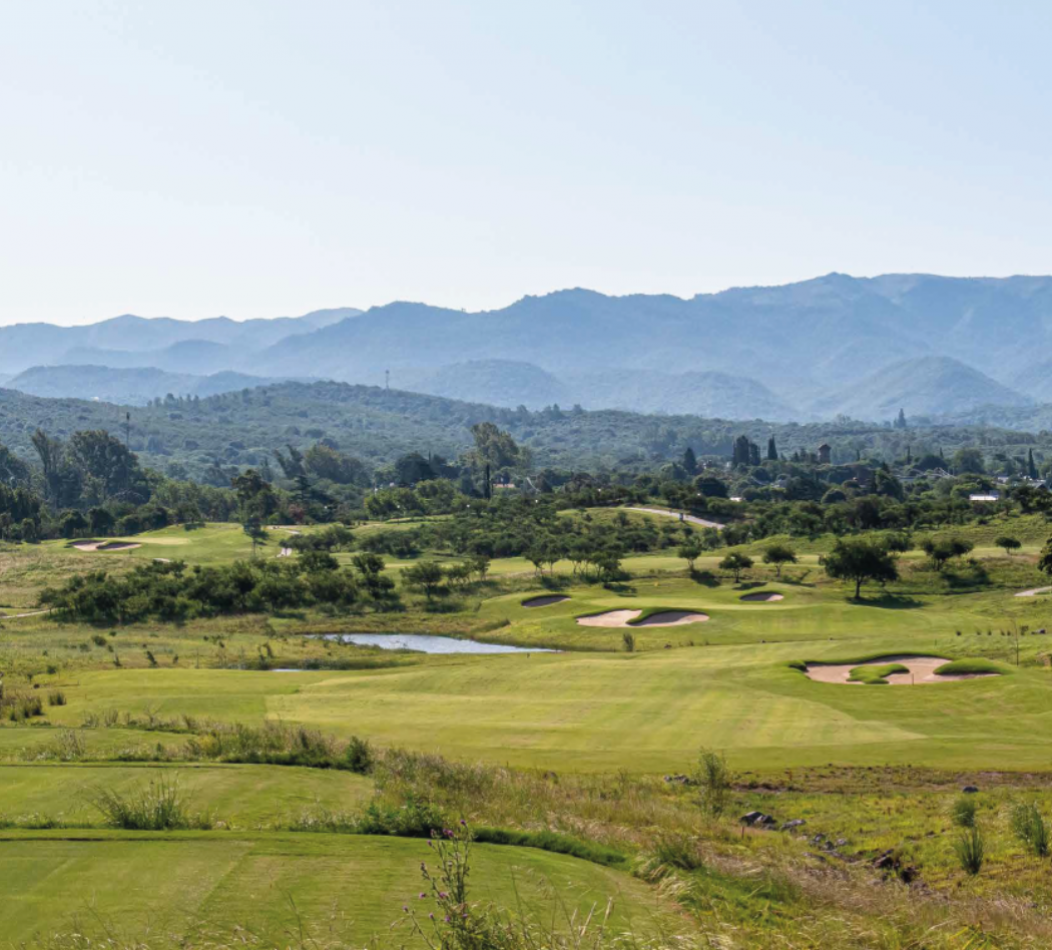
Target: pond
{"type": "Point", "coordinates": [425, 643]}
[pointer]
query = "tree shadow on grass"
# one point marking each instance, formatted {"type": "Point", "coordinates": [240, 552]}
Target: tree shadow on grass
{"type": "Point", "coordinates": [555, 582]}
{"type": "Point", "coordinates": [749, 585]}
{"type": "Point", "coordinates": [888, 601]}
{"type": "Point", "coordinates": [619, 587]}
{"type": "Point", "coordinates": [705, 578]}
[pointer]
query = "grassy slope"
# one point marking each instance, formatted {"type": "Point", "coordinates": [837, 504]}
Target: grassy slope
{"type": "Point", "coordinates": [214, 881]}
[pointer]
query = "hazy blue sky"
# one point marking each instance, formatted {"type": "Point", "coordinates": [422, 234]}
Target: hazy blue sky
{"type": "Point", "coordinates": [259, 158]}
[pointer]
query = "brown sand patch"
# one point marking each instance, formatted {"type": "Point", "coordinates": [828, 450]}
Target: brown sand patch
{"type": "Point", "coordinates": [672, 618]}
{"type": "Point", "coordinates": [1034, 591]}
{"type": "Point", "coordinates": [763, 597]}
{"type": "Point", "coordinates": [921, 670]}
{"type": "Point", "coordinates": [105, 545]}
{"type": "Point", "coordinates": [612, 618]}
{"type": "Point", "coordinates": [545, 601]}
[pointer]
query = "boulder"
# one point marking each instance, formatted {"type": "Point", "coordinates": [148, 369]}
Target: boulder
{"type": "Point", "coordinates": [970, 789]}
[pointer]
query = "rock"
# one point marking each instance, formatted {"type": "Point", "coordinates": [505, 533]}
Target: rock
{"type": "Point", "coordinates": [886, 862]}
{"type": "Point", "coordinates": [679, 779]}
{"type": "Point", "coordinates": [840, 842]}
{"type": "Point", "coordinates": [795, 823]}
{"type": "Point", "coordinates": [818, 839]}
{"type": "Point", "coordinates": [757, 819]}
{"type": "Point", "coordinates": [970, 789]}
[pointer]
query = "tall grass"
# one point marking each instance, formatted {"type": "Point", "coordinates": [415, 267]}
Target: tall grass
{"type": "Point", "coordinates": [970, 848]}
{"type": "Point", "coordinates": [158, 806]}
{"type": "Point", "coordinates": [1030, 827]}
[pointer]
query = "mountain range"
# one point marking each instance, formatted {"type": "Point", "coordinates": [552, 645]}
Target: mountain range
{"type": "Point", "coordinates": [835, 345]}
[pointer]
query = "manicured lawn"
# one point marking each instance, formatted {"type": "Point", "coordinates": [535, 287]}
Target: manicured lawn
{"type": "Point", "coordinates": [211, 882]}
{"type": "Point", "coordinates": [644, 712]}
{"type": "Point", "coordinates": [240, 796]}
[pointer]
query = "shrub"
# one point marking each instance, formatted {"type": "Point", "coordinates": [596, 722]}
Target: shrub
{"type": "Point", "coordinates": [629, 641]}
{"type": "Point", "coordinates": [970, 848]}
{"type": "Point", "coordinates": [963, 811]}
{"type": "Point", "coordinates": [155, 807]}
{"type": "Point", "coordinates": [714, 779]}
{"type": "Point", "coordinates": [1030, 828]}
{"type": "Point", "coordinates": [358, 756]}
{"type": "Point", "coordinates": [56, 698]}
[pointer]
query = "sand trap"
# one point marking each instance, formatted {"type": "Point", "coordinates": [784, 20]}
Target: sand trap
{"type": "Point", "coordinates": [763, 597]}
{"type": "Point", "coordinates": [624, 618]}
{"type": "Point", "coordinates": [1033, 592]}
{"type": "Point", "coordinates": [921, 670]}
{"type": "Point", "coordinates": [612, 618]}
{"type": "Point", "coordinates": [105, 545]}
{"type": "Point", "coordinates": [672, 618]}
{"type": "Point", "coordinates": [545, 601]}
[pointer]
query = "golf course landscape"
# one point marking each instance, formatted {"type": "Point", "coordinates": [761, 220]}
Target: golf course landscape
{"type": "Point", "coordinates": [300, 772]}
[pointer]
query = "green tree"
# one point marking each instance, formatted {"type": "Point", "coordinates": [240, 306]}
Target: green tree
{"type": "Point", "coordinates": [427, 576]}
{"type": "Point", "coordinates": [779, 554]}
{"type": "Point", "coordinates": [1009, 543]}
{"type": "Point", "coordinates": [772, 450]}
{"type": "Point", "coordinates": [690, 550]}
{"type": "Point", "coordinates": [690, 462]}
{"type": "Point", "coordinates": [736, 562]}
{"type": "Point", "coordinates": [941, 550]}
{"type": "Point", "coordinates": [860, 560]}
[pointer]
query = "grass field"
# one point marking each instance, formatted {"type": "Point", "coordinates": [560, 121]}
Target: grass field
{"type": "Point", "coordinates": [597, 724]}
{"type": "Point", "coordinates": [208, 883]}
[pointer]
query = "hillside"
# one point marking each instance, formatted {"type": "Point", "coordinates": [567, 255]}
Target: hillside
{"type": "Point", "coordinates": [210, 438]}
{"type": "Point", "coordinates": [921, 387]}
{"type": "Point", "coordinates": [782, 350]}
{"type": "Point", "coordinates": [133, 387]}
{"type": "Point", "coordinates": [25, 345]}
{"type": "Point", "coordinates": [512, 383]}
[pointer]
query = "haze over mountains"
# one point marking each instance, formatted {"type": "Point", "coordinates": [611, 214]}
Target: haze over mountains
{"type": "Point", "coordinates": [863, 347]}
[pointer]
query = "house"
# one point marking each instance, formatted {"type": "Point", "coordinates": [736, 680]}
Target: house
{"type": "Point", "coordinates": [986, 496]}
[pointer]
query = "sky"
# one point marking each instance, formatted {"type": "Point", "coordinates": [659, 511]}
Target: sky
{"type": "Point", "coordinates": [261, 159]}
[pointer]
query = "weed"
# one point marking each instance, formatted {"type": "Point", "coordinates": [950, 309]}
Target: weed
{"type": "Point", "coordinates": [970, 848]}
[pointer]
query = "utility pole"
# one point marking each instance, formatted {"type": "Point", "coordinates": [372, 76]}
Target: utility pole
{"type": "Point", "coordinates": [127, 430]}
{"type": "Point", "coordinates": [387, 379]}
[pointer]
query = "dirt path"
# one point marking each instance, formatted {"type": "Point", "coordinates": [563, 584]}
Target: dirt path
{"type": "Point", "coordinates": [31, 613]}
{"type": "Point", "coordinates": [682, 517]}
{"type": "Point", "coordinates": [1034, 591]}
{"type": "Point", "coordinates": [921, 670]}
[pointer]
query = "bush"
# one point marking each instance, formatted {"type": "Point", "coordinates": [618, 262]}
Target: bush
{"type": "Point", "coordinates": [970, 848]}
{"type": "Point", "coordinates": [1030, 828]}
{"type": "Point", "coordinates": [358, 756]}
{"type": "Point", "coordinates": [56, 698]}
{"type": "Point", "coordinates": [628, 640]}
{"type": "Point", "coordinates": [714, 779]}
{"type": "Point", "coordinates": [155, 807]}
{"type": "Point", "coordinates": [963, 811]}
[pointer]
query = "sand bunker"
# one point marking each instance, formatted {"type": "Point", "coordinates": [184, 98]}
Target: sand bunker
{"type": "Point", "coordinates": [105, 545]}
{"type": "Point", "coordinates": [545, 601]}
{"type": "Point", "coordinates": [672, 618]}
{"type": "Point", "coordinates": [1033, 592]}
{"type": "Point", "coordinates": [921, 670]}
{"type": "Point", "coordinates": [624, 618]}
{"type": "Point", "coordinates": [763, 597]}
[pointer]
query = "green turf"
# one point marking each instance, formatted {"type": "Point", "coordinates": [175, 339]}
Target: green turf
{"type": "Point", "coordinates": [210, 883]}
{"type": "Point", "coordinates": [876, 675]}
{"type": "Point", "coordinates": [240, 796]}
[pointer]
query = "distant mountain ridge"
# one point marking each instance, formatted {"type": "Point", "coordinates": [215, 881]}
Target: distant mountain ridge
{"type": "Point", "coordinates": [129, 387]}
{"type": "Point", "coordinates": [801, 350]}
{"type": "Point", "coordinates": [24, 345]}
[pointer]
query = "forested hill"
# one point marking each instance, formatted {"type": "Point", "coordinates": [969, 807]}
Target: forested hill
{"type": "Point", "coordinates": [206, 438]}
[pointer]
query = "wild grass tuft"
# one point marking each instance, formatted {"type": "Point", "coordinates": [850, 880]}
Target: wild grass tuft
{"type": "Point", "coordinates": [970, 848]}
{"type": "Point", "coordinates": [1030, 827]}
{"type": "Point", "coordinates": [157, 806]}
